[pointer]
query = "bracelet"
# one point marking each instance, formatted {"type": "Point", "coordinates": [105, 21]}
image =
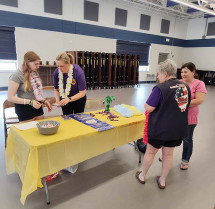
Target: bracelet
{"type": "Point", "coordinates": [24, 102]}
{"type": "Point", "coordinates": [31, 102]}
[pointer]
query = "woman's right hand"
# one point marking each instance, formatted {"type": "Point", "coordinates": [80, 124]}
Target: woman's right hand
{"type": "Point", "coordinates": [36, 104]}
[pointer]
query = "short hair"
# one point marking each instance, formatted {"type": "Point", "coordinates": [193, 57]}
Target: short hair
{"type": "Point", "coordinates": [168, 66]}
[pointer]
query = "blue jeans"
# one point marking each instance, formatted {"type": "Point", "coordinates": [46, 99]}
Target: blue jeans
{"type": "Point", "coordinates": [188, 144]}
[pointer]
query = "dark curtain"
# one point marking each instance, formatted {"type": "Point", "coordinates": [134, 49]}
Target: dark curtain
{"type": "Point", "coordinates": [7, 43]}
{"type": "Point", "coordinates": [141, 49]}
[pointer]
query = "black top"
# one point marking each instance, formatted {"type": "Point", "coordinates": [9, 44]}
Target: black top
{"type": "Point", "coordinates": [169, 121]}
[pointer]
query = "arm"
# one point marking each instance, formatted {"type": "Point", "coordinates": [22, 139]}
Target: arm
{"type": "Point", "coordinates": [199, 99]}
{"type": "Point", "coordinates": [12, 90]}
{"type": "Point", "coordinates": [77, 96]}
{"type": "Point", "coordinates": [57, 95]}
{"type": "Point", "coordinates": [154, 100]}
{"type": "Point", "coordinates": [48, 105]}
{"type": "Point", "coordinates": [149, 108]}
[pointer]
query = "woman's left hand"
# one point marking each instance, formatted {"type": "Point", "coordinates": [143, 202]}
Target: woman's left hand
{"type": "Point", "coordinates": [64, 102]}
{"type": "Point", "coordinates": [48, 105]}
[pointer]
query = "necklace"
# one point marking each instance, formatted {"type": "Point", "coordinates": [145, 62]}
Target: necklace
{"type": "Point", "coordinates": [36, 86]}
{"type": "Point", "coordinates": [65, 92]}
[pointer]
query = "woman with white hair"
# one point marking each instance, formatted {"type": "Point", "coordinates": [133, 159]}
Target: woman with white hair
{"type": "Point", "coordinates": [168, 118]}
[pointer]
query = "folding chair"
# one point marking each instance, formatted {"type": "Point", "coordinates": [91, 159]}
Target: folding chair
{"type": "Point", "coordinates": [8, 120]}
{"type": "Point", "coordinates": [95, 103]}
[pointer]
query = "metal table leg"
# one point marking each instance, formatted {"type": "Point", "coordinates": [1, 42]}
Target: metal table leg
{"type": "Point", "coordinates": [139, 156]}
{"type": "Point", "coordinates": [46, 189]}
{"type": "Point", "coordinates": [136, 148]}
{"type": "Point", "coordinates": [133, 145]}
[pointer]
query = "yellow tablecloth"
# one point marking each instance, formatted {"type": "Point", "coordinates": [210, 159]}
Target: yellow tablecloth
{"type": "Point", "coordinates": [34, 156]}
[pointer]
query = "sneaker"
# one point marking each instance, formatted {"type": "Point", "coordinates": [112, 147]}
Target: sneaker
{"type": "Point", "coordinates": [52, 176]}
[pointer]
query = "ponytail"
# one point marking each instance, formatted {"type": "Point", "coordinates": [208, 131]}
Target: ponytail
{"type": "Point", "coordinates": [65, 57]}
{"type": "Point", "coordinates": [71, 58]}
{"type": "Point", "coordinates": [196, 76]}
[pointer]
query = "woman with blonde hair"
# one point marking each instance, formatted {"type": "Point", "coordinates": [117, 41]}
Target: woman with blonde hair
{"type": "Point", "coordinates": [25, 90]}
{"type": "Point", "coordinates": [70, 89]}
{"type": "Point", "coordinates": [70, 85]}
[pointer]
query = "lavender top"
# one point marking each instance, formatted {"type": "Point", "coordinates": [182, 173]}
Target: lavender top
{"type": "Point", "coordinates": [78, 81]}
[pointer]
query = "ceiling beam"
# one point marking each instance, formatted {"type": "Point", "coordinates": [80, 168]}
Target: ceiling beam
{"type": "Point", "coordinates": [195, 6]}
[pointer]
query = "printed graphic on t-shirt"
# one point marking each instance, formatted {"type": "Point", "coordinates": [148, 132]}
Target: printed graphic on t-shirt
{"type": "Point", "coordinates": [181, 96]}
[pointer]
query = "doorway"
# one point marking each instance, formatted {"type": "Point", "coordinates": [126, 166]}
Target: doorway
{"type": "Point", "coordinates": [162, 57]}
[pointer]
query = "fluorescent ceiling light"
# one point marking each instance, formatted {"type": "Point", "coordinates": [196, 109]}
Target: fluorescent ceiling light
{"type": "Point", "coordinates": [195, 6]}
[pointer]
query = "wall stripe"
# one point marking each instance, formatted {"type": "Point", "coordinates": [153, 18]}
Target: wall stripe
{"type": "Point", "coordinates": [51, 24]}
{"type": "Point", "coordinates": [200, 43]}
{"type": "Point", "coordinates": [4, 88]}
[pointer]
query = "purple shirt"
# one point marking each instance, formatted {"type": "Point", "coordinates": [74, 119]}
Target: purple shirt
{"type": "Point", "coordinates": [155, 97]}
{"type": "Point", "coordinates": [78, 81]}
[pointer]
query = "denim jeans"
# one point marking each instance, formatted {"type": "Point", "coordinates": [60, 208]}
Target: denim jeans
{"type": "Point", "coordinates": [188, 144]}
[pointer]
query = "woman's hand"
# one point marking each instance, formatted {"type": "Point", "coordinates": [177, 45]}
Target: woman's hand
{"type": "Point", "coordinates": [48, 105]}
{"type": "Point", "coordinates": [36, 104]}
{"type": "Point", "coordinates": [58, 104]}
{"type": "Point", "coordinates": [64, 102]}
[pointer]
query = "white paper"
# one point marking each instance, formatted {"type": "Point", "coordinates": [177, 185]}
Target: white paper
{"type": "Point", "coordinates": [25, 126]}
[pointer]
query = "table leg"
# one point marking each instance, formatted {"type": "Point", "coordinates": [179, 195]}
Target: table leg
{"type": "Point", "coordinates": [46, 189]}
{"type": "Point", "coordinates": [136, 148]}
{"type": "Point", "coordinates": [139, 156]}
{"type": "Point", "coordinates": [133, 145]}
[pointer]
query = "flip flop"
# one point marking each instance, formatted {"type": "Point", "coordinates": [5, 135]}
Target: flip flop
{"type": "Point", "coordinates": [159, 184]}
{"type": "Point", "coordinates": [182, 165]}
{"type": "Point", "coordinates": [137, 176]}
